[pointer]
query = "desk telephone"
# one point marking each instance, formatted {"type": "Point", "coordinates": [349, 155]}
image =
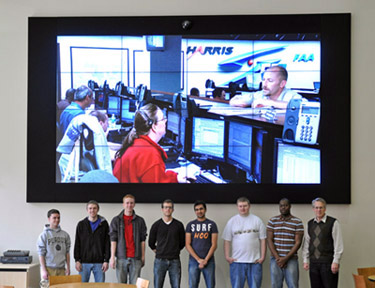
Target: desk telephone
{"type": "Point", "coordinates": [301, 122]}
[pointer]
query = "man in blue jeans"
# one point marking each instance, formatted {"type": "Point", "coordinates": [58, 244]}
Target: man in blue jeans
{"type": "Point", "coordinates": [128, 233]}
{"type": "Point", "coordinates": [245, 233]}
{"type": "Point", "coordinates": [284, 238]}
{"type": "Point", "coordinates": [201, 243]}
{"type": "Point", "coordinates": [91, 247]}
{"type": "Point", "coordinates": [167, 239]}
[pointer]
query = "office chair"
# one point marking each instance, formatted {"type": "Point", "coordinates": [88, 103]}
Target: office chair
{"type": "Point", "coordinates": [142, 283]}
{"type": "Point", "coordinates": [64, 279]}
{"type": "Point", "coordinates": [359, 281]}
{"type": "Point", "coordinates": [367, 271]}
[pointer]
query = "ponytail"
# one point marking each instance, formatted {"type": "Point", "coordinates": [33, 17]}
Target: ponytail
{"type": "Point", "coordinates": [143, 120]}
{"type": "Point", "coordinates": [128, 141]}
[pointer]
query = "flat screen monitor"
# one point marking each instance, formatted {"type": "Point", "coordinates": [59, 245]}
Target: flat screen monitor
{"type": "Point", "coordinates": [240, 145]}
{"type": "Point", "coordinates": [183, 138]}
{"type": "Point", "coordinates": [127, 115]}
{"type": "Point", "coordinates": [208, 137]}
{"type": "Point", "coordinates": [66, 52]}
{"type": "Point", "coordinates": [260, 153]}
{"type": "Point", "coordinates": [173, 123]}
{"type": "Point", "coordinates": [113, 105]}
{"type": "Point", "coordinates": [297, 164]}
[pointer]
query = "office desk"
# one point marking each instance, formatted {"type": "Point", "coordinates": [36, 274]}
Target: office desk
{"type": "Point", "coordinates": [93, 285]}
{"type": "Point", "coordinates": [253, 115]}
{"type": "Point", "coordinates": [20, 275]}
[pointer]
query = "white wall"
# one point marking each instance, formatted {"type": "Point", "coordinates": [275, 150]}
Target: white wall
{"type": "Point", "coordinates": [20, 222]}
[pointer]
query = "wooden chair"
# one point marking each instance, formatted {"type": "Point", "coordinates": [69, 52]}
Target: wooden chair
{"type": "Point", "coordinates": [142, 283]}
{"type": "Point", "coordinates": [64, 279]}
{"type": "Point", "coordinates": [359, 281]}
{"type": "Point", "coordinates": [367, 272]}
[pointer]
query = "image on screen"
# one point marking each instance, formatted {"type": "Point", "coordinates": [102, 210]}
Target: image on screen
{"type": "Point", "coordinates": [208, 137]}
{"type": "Point", "coordinates": [173, 122]}
{"type": "Point", "coordinates": [297, 164]}
{"type": "Point", "coordinates": [240, 144]}
{"type": "Point", "coordinates": [113, 105]}
{"type": "Point", "coordinates": [126, 113]}
{"type": "Point", "coordinates": [185, 62]}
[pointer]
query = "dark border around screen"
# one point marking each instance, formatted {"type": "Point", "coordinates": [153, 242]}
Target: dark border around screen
{"type": "Point", "coordinates": [335, 31]}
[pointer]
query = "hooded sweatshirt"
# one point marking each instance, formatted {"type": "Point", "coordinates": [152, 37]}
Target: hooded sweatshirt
{"type": "Point", "coordinates": [54, 244]}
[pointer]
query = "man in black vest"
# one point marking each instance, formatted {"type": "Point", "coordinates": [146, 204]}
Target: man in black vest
{"type": "Point", "coordinates": [323, 246]}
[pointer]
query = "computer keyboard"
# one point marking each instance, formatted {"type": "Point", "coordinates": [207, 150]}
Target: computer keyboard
{"type": "Point", "coordinates": [202, 180]}
{"type": "Point", "coordinates": [118, 135]}
{"type": "Point", "coordinates": [207, 177]}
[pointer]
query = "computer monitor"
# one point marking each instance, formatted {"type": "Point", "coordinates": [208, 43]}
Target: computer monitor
{"type": "Point", "coordinates": [296, 163]}
{"type": "Point", "coordinates": [240, 145]}
{"type": "Point", "coordinates": [121, 89]}
{"type": "Point", "coordinates": [140, 92]}
{"type": "Point", "coordinates": [208, 138]}
{"type": "Point", "coordinates": [127, 111]}
{"type": "Point", "coordinates": [113, 105]}
{"type": "Point", "coordinates": [173, 123]}
{"type": "Point", "coordinates": [182, 136]}
{"type": "Point", "coordinates": [262, 156]}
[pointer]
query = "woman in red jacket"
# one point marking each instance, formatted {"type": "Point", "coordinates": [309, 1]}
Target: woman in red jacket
{"type": "Point", "coordinates": [141, 159]}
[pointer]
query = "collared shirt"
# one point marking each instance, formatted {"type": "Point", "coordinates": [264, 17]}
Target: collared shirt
{"type": "Point", "coordinates": [338, 244]}
{"type": "Point", "coordinates": [73, 110]}
{"type": "Point", "coordinates": [284, 231]}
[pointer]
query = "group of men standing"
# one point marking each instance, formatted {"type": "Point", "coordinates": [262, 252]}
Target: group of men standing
{"type": "Point", "coordinates": [121, 245]}
{"type": "Point", "coordinates": [246, 235]}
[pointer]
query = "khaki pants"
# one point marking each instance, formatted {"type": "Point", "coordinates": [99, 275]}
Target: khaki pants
{"type": "Point", "coordinates": [56, 271]}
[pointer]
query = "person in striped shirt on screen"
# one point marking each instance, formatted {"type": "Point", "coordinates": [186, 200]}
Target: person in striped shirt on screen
{"type": "Point", "coordinates": [284, 238]}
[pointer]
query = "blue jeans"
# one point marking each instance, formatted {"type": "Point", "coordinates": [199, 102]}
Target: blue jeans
{"type": "Point", "coordinates": [240, 271]}
{"type": "Point", "coordinates": [161, 266]}
{"type": "Point", "coordinates": [290, 273]}
{"type": "Point", "coordinates": [128, 267]}
{"type": "Point", "coordinates": [96, 269]}
{"type": "Point", "coordinates": [195, 273]}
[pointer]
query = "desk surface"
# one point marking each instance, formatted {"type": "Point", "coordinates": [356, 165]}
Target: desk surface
{"type": "Point", "coordinates": [93, 285]}
{"type": "Point", "coordinates": [253, 114]}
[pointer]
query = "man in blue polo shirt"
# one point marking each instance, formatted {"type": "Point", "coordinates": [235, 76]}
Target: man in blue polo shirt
{"type": "Point", "coordinates": [82, 100]}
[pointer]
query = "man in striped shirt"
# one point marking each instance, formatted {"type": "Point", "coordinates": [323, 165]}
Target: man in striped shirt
{"type": "Point", "coordinates": [284, 238]}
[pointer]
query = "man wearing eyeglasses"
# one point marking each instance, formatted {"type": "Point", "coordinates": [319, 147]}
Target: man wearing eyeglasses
{"type": "Point", "coordinates": [167, 239]}
{"type": "Point", "coordinates": [322, 248]}
{"type": "Point", "coordinates": [201, 243]}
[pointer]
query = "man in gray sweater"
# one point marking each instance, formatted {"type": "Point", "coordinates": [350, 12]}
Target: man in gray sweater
{"type": "Point", "coordinates": [53, 247]}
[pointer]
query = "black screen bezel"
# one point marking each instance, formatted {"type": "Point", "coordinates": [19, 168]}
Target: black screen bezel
{"type": "Point", "coordinates": [335, 33]}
